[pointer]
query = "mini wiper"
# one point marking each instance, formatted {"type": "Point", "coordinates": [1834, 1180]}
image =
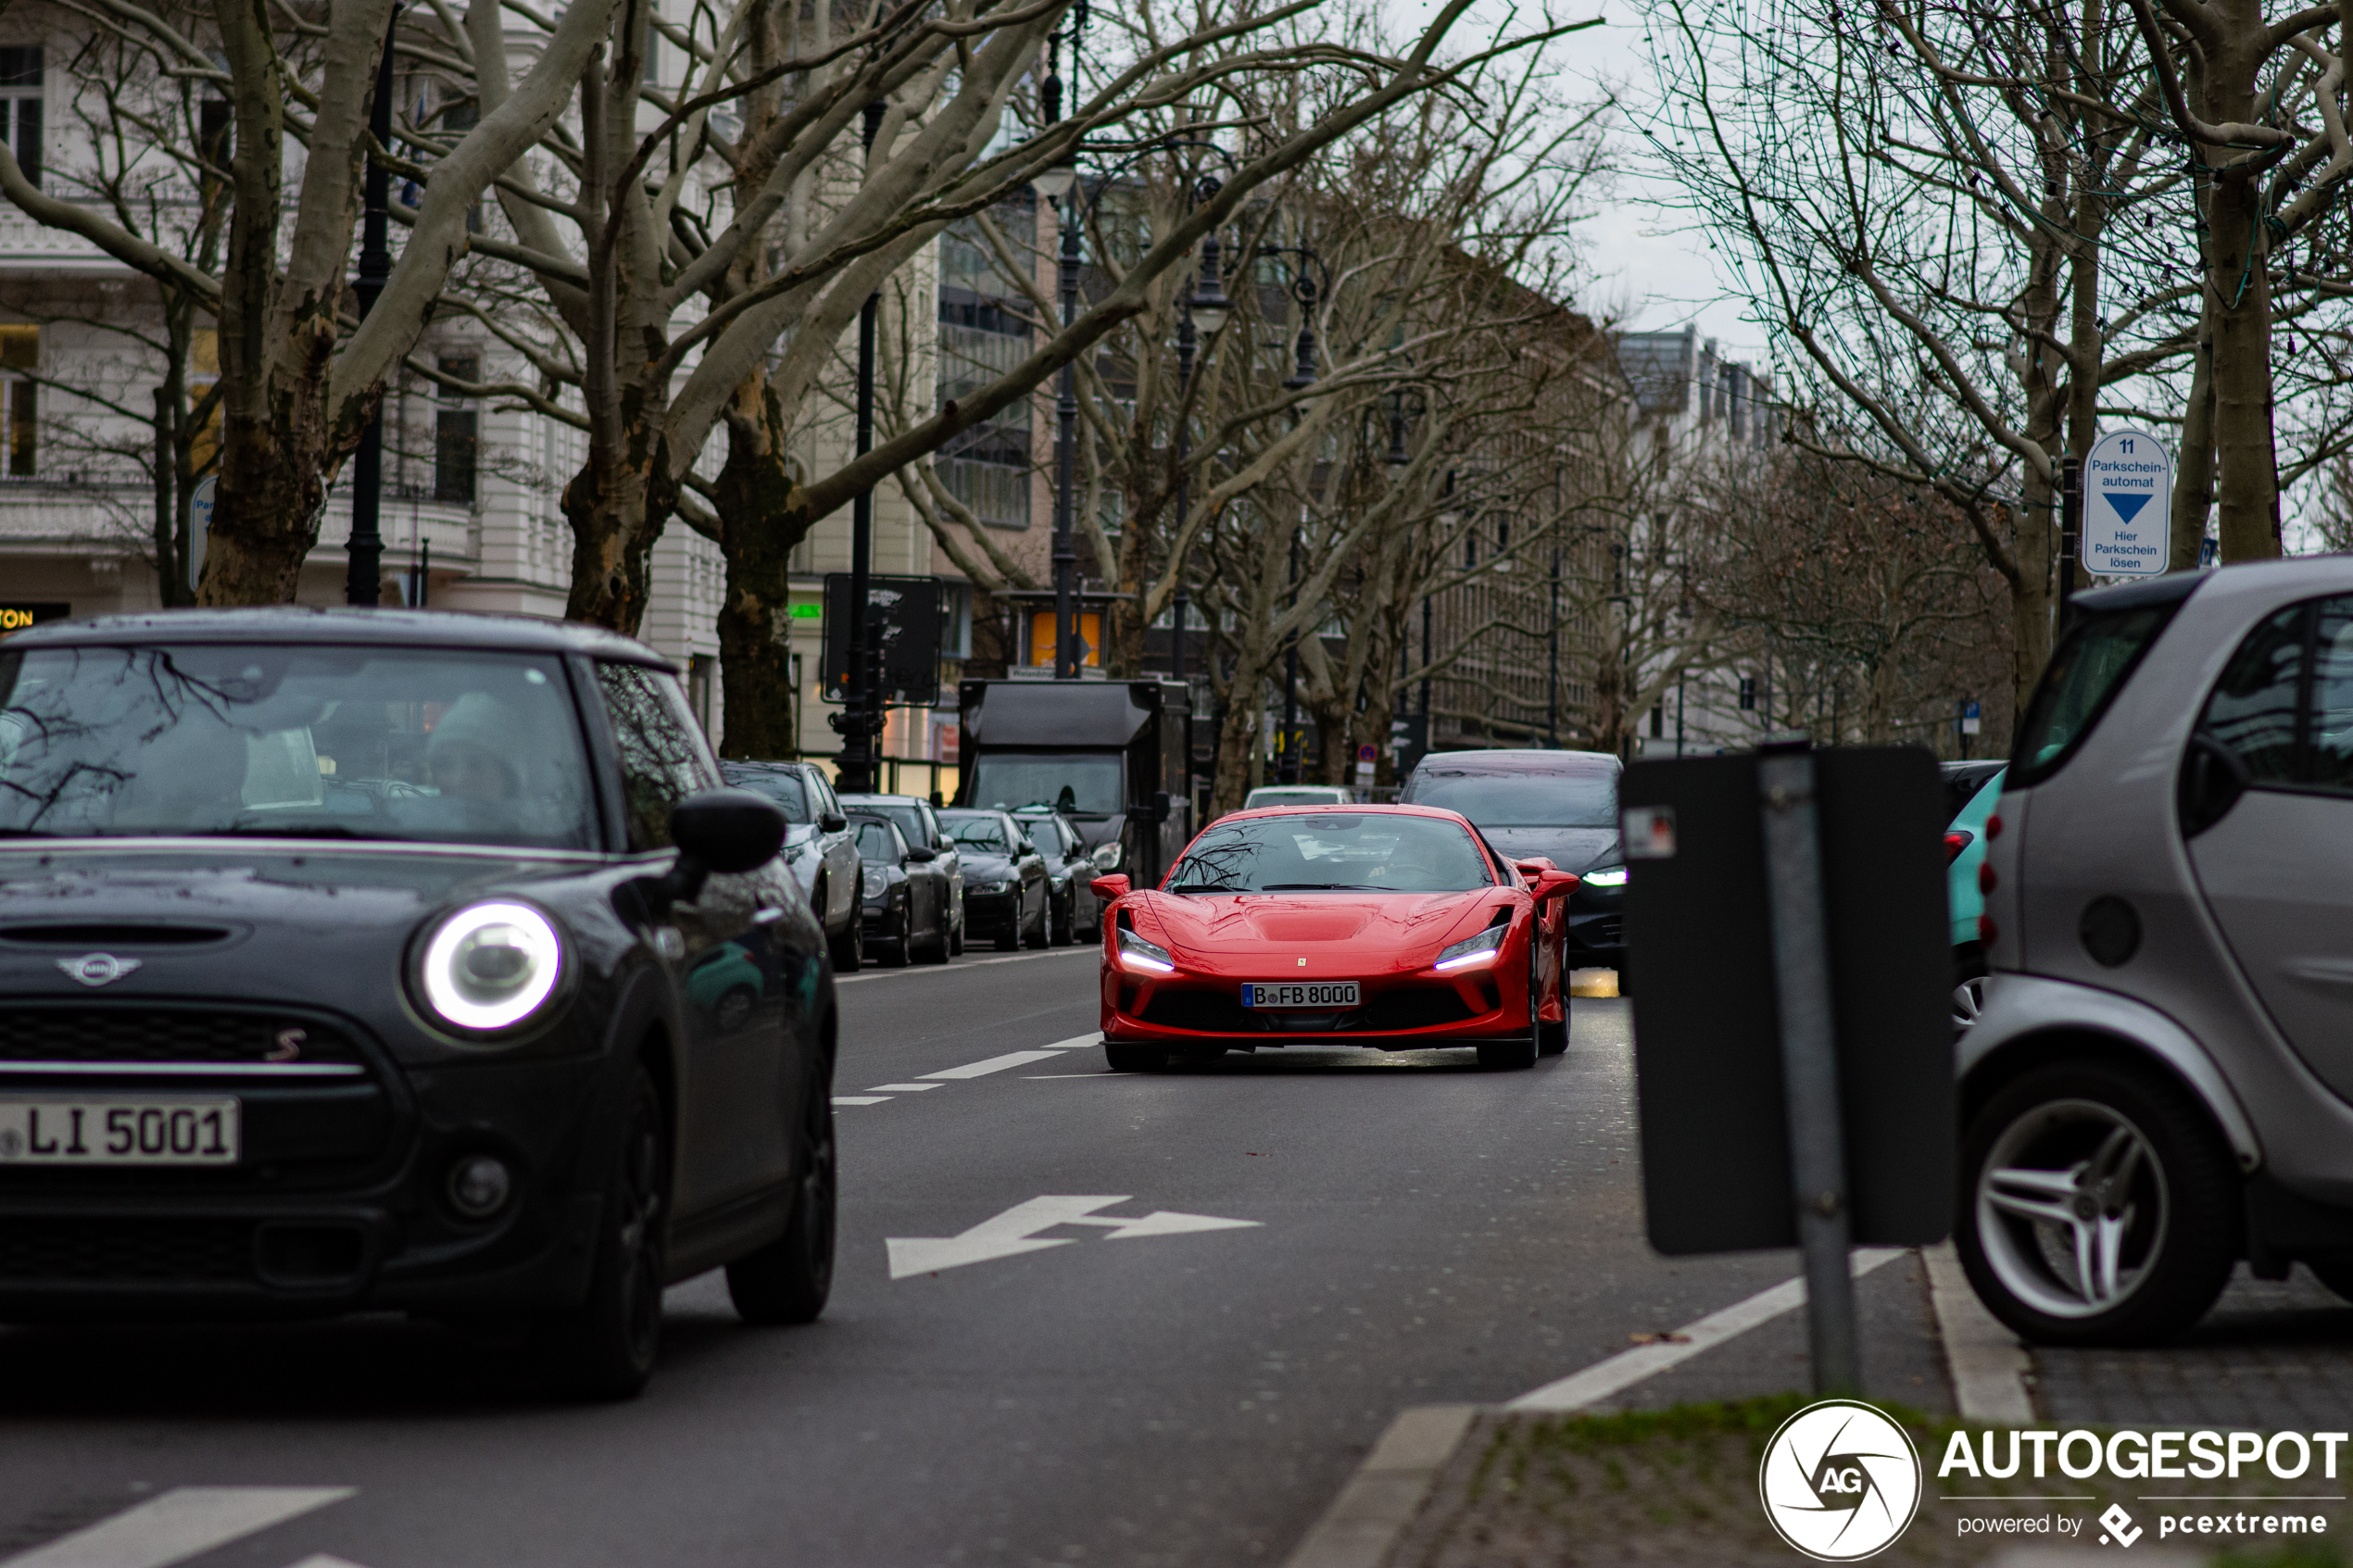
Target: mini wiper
{"type": "Point", "coordinates": [28, 832]}
{"type": "Point", "coordinates": [291, 830]}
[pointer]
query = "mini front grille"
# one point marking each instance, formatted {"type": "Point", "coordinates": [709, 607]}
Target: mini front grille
{"type": "Point", "coordinates": [165, 1034]}
{"type": "Point", "coordinates": [48, 1250]}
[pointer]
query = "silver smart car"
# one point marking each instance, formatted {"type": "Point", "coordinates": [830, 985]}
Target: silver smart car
{"type": "Point", "coordinates": [2161, 1083]}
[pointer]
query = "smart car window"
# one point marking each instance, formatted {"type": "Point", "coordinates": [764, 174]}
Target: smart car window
{"type": "Point", "coordinates": [423, 744]}
{"type": "Point", "coordinates": [2253, 708]}
{"type": "Point", "coordinates": [2330, 731]}
{"type": "Point", "coordinates": [663, 757]}
{"type": "Point", "coordinates": [2088, 670]}
{"type": "Point", "coordinates": [1524, 801]}
{"type": "Point", "coordinates": [1082, 782]}
{"type": "Point", "coordinates": [1355, 852]}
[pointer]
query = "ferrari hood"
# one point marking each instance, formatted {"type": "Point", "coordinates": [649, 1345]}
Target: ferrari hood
{"type": "Point", "coordinates": [1379, 926]}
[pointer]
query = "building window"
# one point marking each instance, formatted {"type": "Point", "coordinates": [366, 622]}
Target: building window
{"type": "Point", "coordinates": [1748, 694]}
{"type": "Point", "coordinates": [20, 351]}
{"type": "Point", "coordinates": [20, 108]}
{"type": "Point", "coordinates": [1658, 720]}
{"type": "Point", "coordinates": [984, 334]}
{"type": "Point", "coordinates": [455, 434]}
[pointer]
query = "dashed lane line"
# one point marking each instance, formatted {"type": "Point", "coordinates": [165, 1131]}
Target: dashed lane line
{"type": "Point", "coordinates": [995, 1064]}
{"type": "Point", "coordinates": [184, 1522]}
{"type": "Point", "coordinates": [882, 1093]}
{"type": "Point", "coordinates": [962, 964]}
{"type": "Point", "coordinates": [1630, 1367]}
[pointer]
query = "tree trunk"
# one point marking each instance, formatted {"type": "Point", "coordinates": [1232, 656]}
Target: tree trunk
{"type": "Point", "coordinates": [1237, 746]}
{"type": "Point", "coordinates": [616, 513]}
{"type": "Point", "coordinates": [2194, 482]}
{"type": "Point", "coordinates": [755, 618]}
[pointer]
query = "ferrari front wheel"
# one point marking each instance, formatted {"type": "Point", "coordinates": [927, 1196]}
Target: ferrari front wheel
{"type": "Point", "coordinates": [1520, 1050]}
{"type": "Point", "coordinates": [1135, 1059]}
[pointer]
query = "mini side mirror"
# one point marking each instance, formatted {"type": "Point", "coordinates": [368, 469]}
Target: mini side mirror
{"type": "Point", "coordinates": [832, 822]}
{"type": "Point", "coordinates": [728, 830]}
{"type": "Point", "coordinates": [920, 855]}
{"type": "Point", "coordinates": [2212, 779]}
{"type": "Point", "coordinates": [1110, 887]}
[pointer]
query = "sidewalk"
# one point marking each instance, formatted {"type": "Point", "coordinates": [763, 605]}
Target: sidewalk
{"type": "Point", "coordinates": [1664, 1471]}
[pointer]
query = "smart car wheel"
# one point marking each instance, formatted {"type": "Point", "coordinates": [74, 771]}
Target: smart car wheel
{"type": "Point", "coordinates": [1969, 996]}
{"type": "Point", "coordinates": [788, 1280]}
{"type": "Point", "coordinates": [604, 1349]}
{"type": "Point", "coordinates": [1135, 1059]}
{"type": "Point", "coordinates": [2101, 1207]}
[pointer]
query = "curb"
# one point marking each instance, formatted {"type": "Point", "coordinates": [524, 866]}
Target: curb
{"type": "Point", "coordinates": [1387, 1490]}
{"type": "Point", "coordinates": [1990, 1368]}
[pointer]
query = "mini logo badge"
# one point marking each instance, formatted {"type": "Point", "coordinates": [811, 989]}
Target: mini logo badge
{"type": "Point", "coordinates": [2119, 1525]}
{"type": "Point", "coordinates": [97, 969]}
{"type": "Point", "coordinates": [1840, 1481]}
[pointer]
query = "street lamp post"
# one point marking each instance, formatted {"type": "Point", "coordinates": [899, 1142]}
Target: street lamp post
{"type": "Point", "coordinates": [859, 721]}
{"type": "Point", "coordinates": [1208, 307]}
{"type": "Point", "coordinates": [1066, 657]}
{"type": "Point", "coordinates": [363, 579]}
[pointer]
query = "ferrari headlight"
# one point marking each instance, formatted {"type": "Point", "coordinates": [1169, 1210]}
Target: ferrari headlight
{"type": "Point", "coordinates": [1609, 876]}
{"type": "Point", "coordinates": [1150, 957]}
{"type": "Point", "coordinates": [1480, 948]}
{"type": "Point", "coordinates": [491, 966]}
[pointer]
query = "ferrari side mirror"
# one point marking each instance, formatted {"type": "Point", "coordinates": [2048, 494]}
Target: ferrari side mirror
{"type": "Point", "coordinates": [1110, 887]}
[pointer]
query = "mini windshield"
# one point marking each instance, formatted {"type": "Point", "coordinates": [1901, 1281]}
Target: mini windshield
{"type": "Point", "coordinates": [1523, 800]}
{"type": "Point", "coordinates": [1085, 781]}
{"type": "Point", "coordinates": [783, 788]}
{"type": "Point", "coordinates": [1349, 852]}
{"type": "Point", "coordinates": [214, 739]}
{"type": "Point", "coordinates": [977, 833]}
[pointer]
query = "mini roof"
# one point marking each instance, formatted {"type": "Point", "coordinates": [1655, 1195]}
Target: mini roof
{"type": "Point", "coordinates": [341, 626]}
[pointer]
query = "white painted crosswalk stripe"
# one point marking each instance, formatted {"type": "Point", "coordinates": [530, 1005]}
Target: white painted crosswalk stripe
{"type": "Point", "coordinates": [184, 1522]}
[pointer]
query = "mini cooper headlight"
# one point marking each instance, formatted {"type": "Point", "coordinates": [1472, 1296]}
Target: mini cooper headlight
{"type": "Point", "coordinates": [1609, 876]}
{"type": "Point", "coordinates": [491, 966]}
{"type": "Point", "coordinates": [1150, 957]}
{"type": "Point", "coordinates": [1473, 950]}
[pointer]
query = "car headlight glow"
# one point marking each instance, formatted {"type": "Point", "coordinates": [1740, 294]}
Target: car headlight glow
{"type": "Point", "coordinates": [1150, 957]}
{"type": "Point", "coordinates": [1609, 876]}
{"type": "Point", "coordinates": [877, 879]}
{"type": "Point", "coordinates": [1480, 948]}
{"type": "Point", "coordinates": [491, 966]}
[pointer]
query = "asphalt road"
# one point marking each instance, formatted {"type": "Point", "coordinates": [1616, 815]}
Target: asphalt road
{"type": "Point", "coordinates": [1419, 1232]}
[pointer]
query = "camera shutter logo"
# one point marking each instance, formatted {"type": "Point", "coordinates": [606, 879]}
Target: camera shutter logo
{"type": "Point", "coordinates": [1840, 1481]}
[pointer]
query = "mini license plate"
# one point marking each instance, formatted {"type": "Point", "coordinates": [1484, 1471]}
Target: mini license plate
{"type": "Point", "coordinates": [1299, 993]}
{"type": "Point", "coordinates": [118, 1130]}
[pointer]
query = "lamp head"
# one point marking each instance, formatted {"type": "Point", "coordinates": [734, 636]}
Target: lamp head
{"type": "Point", "coordinates": [1210, 308]}
{"type": "Point", "coordinates": [1054, 183]}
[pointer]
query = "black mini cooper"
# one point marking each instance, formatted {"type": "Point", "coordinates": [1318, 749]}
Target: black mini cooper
{"type": "Point", "coordinates": [383, 959]}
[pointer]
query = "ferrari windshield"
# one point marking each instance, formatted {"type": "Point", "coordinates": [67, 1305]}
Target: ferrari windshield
{"type": "Point", "coordinates": [1341, 852]}
{"type": "Point", "coordinates": [216, 739]}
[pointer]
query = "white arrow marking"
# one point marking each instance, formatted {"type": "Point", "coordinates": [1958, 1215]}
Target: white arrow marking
{"type": "Point", "coordinates": [1015, 1232]}
{"type": "Point", "coordinates": [184, 1522]}
{"type": "Point", "coordinates": [1162, 1222]}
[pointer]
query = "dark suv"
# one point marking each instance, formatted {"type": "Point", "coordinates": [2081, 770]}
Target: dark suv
{"type": "Point", "coordinates": [376, 960]}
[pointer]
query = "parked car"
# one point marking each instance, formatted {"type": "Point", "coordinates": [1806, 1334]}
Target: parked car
{"type": "Point", "coordinates": [2162, 1081]}
{"type": "Point", "coordinates": [1391, 926]}
{"type": "Point", "coordinates": [1964, 853]}
{"type": "Point", "coordinates": [905, 895]}
{"type": "Point", "coordinates": [1963, 779]}
{"type": "Point", "coordinates": [1559, 805]}
{"type": "Point", "coordinates": [397, 961]}
{"type": "Point", "coordinates": [820, 850]}
{"type": "Point", "coordinates": [1006, 893]}
{"type": "Point", "coordinates": [1298, 794]}
{"type": "Point", "coordinates": [918, 821]}
{"type": "Point", "coordinates": [1070, 876]}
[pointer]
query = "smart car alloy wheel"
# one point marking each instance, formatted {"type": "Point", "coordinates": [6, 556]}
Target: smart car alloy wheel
{"type": "Point", "coordinates": [2101, 1208]}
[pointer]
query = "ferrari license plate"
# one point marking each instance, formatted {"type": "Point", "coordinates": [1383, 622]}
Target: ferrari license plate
{"type": "Point", "coordinates": [1299, 993]}
{"type": "Point", "coordinates": [118, 1130]}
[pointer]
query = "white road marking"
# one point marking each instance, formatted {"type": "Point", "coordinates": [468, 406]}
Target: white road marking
{"type": "Point", "coordinates": [184, 1522]}
{"type": "Point", "coordinates": [994, 1064]}
{"type": "Point", "coordinates": [838, 1099]}
{"type": "Point", "coordinates": [901, 1088]}
{"type": "Point", "coordinates": [1630, 1367]}
{"type": "Point", "coordinates": [1015, 1231]}
{"type": "Point", "coordinates": [1077, 1042]}
{"type": "Point", "coordinates": [962, 965]}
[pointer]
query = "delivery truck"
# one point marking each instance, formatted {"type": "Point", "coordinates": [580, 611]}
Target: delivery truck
{"type": "Point", "coordinates": [1110, 756]}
